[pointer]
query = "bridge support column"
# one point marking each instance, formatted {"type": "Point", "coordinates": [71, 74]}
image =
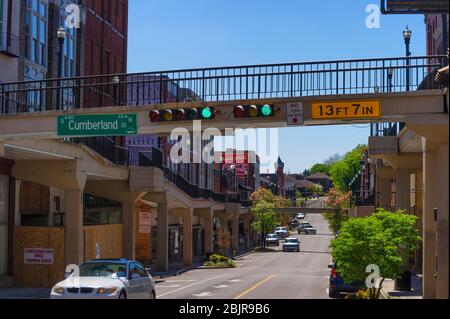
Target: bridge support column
{"type": "Point", "coordinates": [162, 249]}
{"type": "Point", "coordinates": [187, 237]}
{"type": "Point", "coordinates": [384, 184]}
{"type": "Point", "coordinates": [209, 219]}
{"type": "Point", "coordinates": [73, 232]}
{"type": "Point", "coordinates": [129, 230]}
{"type": "Point", "coordinates": [247, 229]}
{"type": "Point", "coordinates": [442, 186]}
{"type": "Point", "coordinates": [402, 190]}
{"type": "Point", "coordinates": [235, 232]}
{"type": "Point", "coordinates": [429, 223]}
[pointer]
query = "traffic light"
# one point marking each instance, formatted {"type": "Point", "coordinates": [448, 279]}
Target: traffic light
{"type": "Point", "coordinates": [242, 111]}
{"type": "Point", "coordinates": [174, 115]}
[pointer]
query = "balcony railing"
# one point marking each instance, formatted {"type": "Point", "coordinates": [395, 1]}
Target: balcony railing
{"type": "Point", "coordinates": [224, 84]}
{"type": "Point", "coordinates": [154, 159]}
{"type": "Point", "coordinates": [386, 129]}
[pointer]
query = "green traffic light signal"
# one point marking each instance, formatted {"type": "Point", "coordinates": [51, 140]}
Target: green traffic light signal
{"type": "Point", "coordinates": [207, 113]}
{"type": "Point", "coordinates": [267, 110]}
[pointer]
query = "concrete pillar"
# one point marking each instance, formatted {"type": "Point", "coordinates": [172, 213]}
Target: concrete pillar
{"type": "Point", "coordinates": [402, 190]}
{"type": "Point", "coordinates": [442, 187]}
{"type": "Point", "coordinates": [246, 220]}
{"type": "Point", "coordinates": [209, 220]}
{"type": "Point", "coordinates": [430, 193]}
{"type": "Point", "coordinates": [73, 232]}
{"type": "Point", "coordinates": [235, 232]}
{"type": "Point", "coordinates": [129, 230]}
{"type": "Point", "coordinates": [384, 193]}
{"type": "Point", "coordinates": [187, 237]}
{"type": "Point", "coordinates": [383, 185]}
{"type": "Point", "coordinates": [17, 204]}
{"type": "Point", "coordinates": [162, 249]}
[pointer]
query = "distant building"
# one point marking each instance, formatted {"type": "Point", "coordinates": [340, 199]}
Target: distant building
{"type": "Point", "coordinates": [237, 176]}
{"type": "Point", "coordinates": [321, 179]}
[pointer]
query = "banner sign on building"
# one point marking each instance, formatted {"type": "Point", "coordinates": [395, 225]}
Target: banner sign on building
{"type": "Point", "coordinates": [240, 170]}
{"type": "Point", "coordinates": [145, 223]}
{"type": "Point", "coordinates": [39, 256]}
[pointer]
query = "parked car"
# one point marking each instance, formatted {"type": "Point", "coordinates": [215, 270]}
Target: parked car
{"type": "Point", "coordinates": [291, 244]}
{"type": "Point", "coordinates": [337, 285]}
{"type": "Point", "coordinates": [107, 279]}
{"type": "Point", "coordinates": [301, 216]}
{"type": "Point", "coordinates": [272, 239]}
{"type": "Point", "coordinates": [281, 232]}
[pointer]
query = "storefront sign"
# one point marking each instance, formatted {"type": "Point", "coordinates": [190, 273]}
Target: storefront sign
{"type": "Point", "coordinates": [39, 256]}
{"type": "Point", "coordinates": [240, 170]}
{"type": "Point", "coordinates": [145, 223]}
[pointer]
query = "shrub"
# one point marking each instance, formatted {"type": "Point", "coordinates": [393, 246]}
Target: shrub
{"type": "Point", "coordinates": [361, 294]}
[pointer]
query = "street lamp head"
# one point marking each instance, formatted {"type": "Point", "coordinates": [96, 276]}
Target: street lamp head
{"type": "Point", "coordinates": [62, 33]}
{"type": "Point", "coordinates": [407, 34]}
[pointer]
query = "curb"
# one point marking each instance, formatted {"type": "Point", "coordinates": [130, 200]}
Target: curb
{"type": "Point", "coordinates": [243, 255]}
{"type": "Point", "coordinates": [384, 295]}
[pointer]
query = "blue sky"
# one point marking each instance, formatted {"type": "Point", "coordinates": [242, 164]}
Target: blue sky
{"type": "Point", "coordinates": [174, 34]}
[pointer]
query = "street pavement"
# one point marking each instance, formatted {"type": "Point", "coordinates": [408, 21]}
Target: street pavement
{"type": "Point", "coordinates": [270, 275]}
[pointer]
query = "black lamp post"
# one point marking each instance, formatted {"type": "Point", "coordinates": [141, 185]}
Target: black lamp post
{"type": "Point", "coordinates": [407, 37]}
{"type": "Point", "coordinates": [61, 37]}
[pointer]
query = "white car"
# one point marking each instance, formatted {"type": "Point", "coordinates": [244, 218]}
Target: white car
{"type": "Point", "coordinates": [301, 216]}
{"type": "Point", "coordinates": [107, 279]}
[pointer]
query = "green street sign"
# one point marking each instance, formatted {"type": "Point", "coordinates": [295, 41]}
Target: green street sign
{"type": "Point", "coordinates": [97, 125]}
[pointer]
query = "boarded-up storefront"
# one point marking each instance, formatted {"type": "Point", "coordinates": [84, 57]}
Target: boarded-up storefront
{"type": "Point", "coordinates": [38, 256]}
{"type": "Point", "coordinates": [103, 241]}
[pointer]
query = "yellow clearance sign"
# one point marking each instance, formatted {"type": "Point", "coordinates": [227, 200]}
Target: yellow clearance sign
{"type": "Point", "coordinates": [345, 110]}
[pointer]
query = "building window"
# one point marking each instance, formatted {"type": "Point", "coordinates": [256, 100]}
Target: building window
{"type": "Point", "coordinates": [36, 24]}
{"type": "Point", "coordinates": [1, 18]}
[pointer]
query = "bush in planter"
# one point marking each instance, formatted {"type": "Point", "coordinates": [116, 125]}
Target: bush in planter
{"type": "Point", "coordinates": [361, 294]}
{"type": "Point", "coordinates": [219, 261]}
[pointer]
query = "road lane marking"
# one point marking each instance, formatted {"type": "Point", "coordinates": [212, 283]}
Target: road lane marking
{"type": "Point", "coordinates": [168, 286]}
{"type": "Point", "coordinates": [188, 286]}
{"type": "Point", "coordinates": [234, 280]}
{"type": "Point", "coordinates": [192, 280]}
{"type": "Point", "coordinates": [254, 287]}
{"type": "Point", "coordinates": [203, 294]}
{"type": "Point", "coordinates": [221, 286]}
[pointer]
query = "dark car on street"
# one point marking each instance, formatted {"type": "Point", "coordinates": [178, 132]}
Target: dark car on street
{"type": "Point", "coordinates": [337, 285]}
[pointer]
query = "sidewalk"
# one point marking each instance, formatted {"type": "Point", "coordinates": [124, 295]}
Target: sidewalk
{"type": "Point", "coordinates": [389, 292]}
{"type": "Point", "coordinates": [24, 293]}
{"type": "Point", "coordinates": [177, 268]}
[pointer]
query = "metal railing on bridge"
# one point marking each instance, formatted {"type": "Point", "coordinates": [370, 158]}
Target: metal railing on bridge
{"type": "Point", "coordinates": [223, 84]}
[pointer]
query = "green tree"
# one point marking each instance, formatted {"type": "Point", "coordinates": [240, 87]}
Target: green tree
{"type": "Point", "coordinates": [383, 239]}
{"type": "Point", "coordinates": [339, 202]}
{"type": "Point", "coordinates": [320, 168]}
{"type": "Point", "coordinates": [343, 171]}
{"type": "Point", "coordinates": [264, 219]}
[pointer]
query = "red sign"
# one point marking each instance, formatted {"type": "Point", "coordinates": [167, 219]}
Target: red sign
{"type": "Point", "coordinates": [235, 158]}
{"type": "Point", "coordinates": [240, 170]}
{"type": "Point", "coordinates": [40, 256]}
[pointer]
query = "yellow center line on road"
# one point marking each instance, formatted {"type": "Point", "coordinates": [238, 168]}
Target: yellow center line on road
{"type": "Point", "coordinates": [255, 286]}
